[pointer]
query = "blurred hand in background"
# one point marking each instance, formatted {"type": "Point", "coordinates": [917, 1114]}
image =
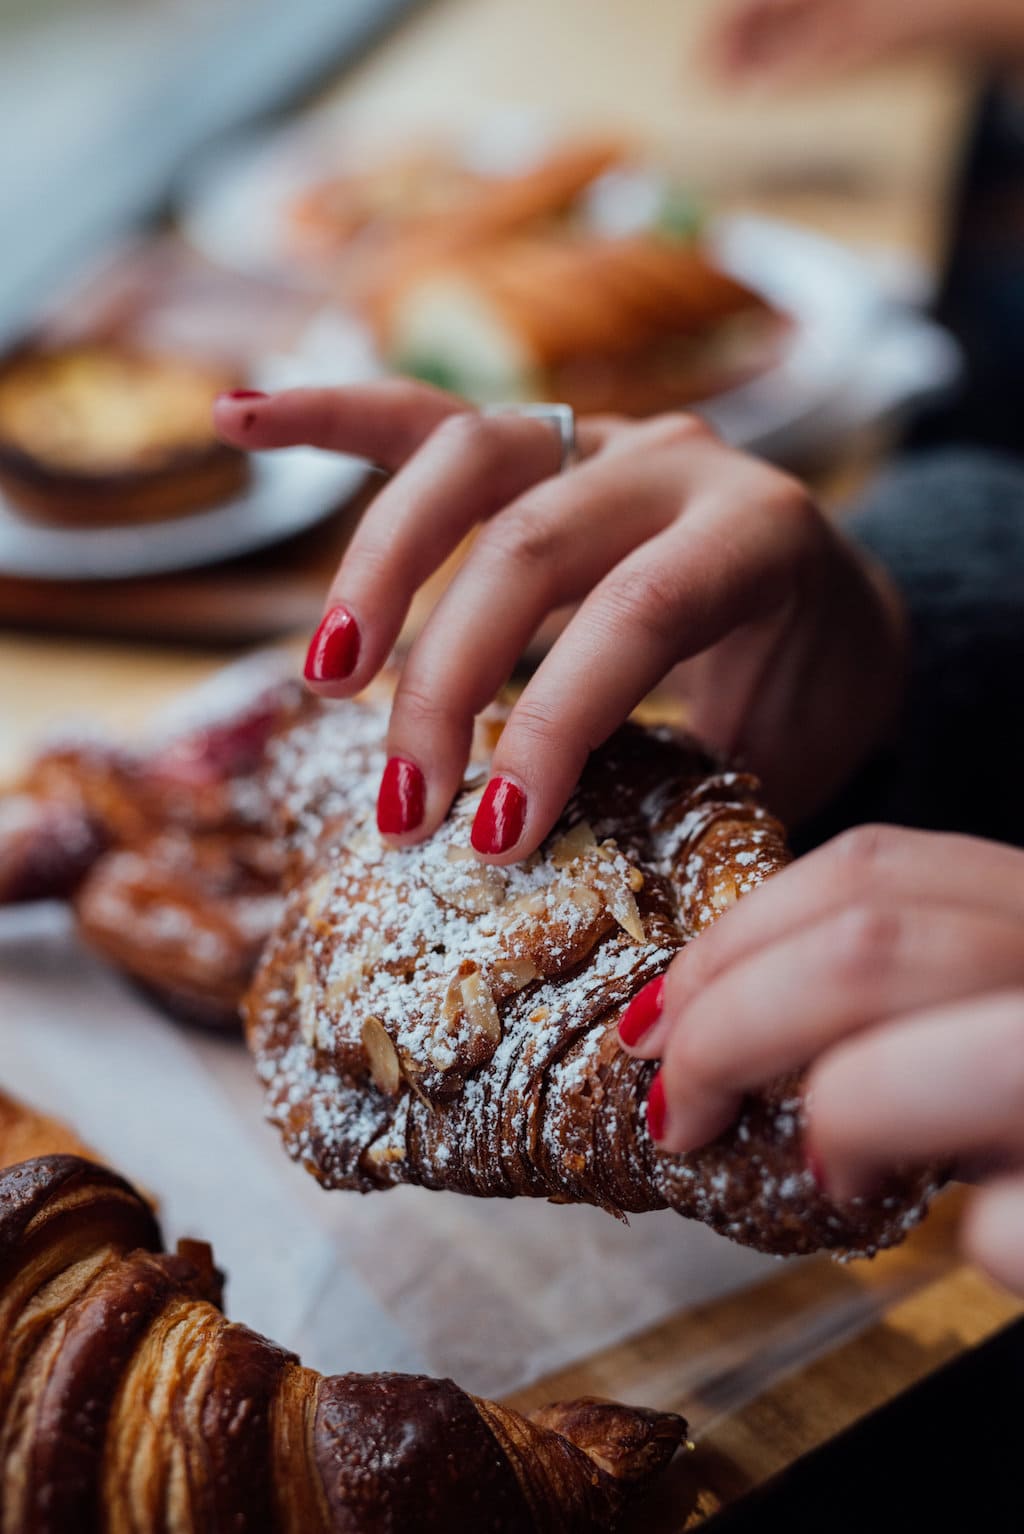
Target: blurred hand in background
{"type": "Point", "coordinates": [791, 41]}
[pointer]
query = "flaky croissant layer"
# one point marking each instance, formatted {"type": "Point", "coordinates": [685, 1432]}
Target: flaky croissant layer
{"type": "Point", "coordinates": [418, 1017]}
{"type": "Point", "coordinates": [130, 1405]}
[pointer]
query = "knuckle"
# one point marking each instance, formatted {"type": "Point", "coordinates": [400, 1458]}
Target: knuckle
{"type": "Point", "coordinates": [466, 434]}
{"type": "Point", "coordinates": [677, 428]}
{"type": "Point", "coordinates": [525, 535]}
{"type": "Point", "coordinates": [646, 598]}
{"type": "Point", "coordinates": [862, 854]}
{"type": "Point", "coordinates": [867, 939]}
{"type": "Point", "coordinates": [419, 708]}
{"type": "Point", "coordinates": [692, 1057]}
{"type": "Point", "coordinates": [533, 724]}
{"type": "Point", "coordinates": [789, 504]}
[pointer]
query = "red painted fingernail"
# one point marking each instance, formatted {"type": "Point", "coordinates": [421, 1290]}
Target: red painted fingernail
{"type": "Point", "coordinates": [401, 797]}
{"type": "Point", "coordinates": [498, 824]}
{"type": "Point", "coordinates": [656, 1108]}
{"type": "Point", "coordinates": [814, 1165]}
{"type": "Point", "coordinates": [334, 648]}
{"type": "Point", "coordinates": [643, 1011]}
{"type": "Point", "coordinates": [244, 394]}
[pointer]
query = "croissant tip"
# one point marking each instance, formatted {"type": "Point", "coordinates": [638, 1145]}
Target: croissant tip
{"type": "Point", "coordinates": [629, 1443]}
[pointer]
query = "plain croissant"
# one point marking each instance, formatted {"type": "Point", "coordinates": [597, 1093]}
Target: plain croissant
{"type": "Point", "coordinates": [129, 1403]}
{"type": "Point", "coordinates": [419, 1017]}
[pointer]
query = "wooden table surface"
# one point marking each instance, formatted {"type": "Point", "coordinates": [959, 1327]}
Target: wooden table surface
{"type": "Point", "coordinates": [872, 161]}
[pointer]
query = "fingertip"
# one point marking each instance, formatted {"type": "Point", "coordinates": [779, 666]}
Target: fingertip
{"type": "Point", "coordinates": [401, 801]}
{"type": "Point", "coordinates": [685, 1124]}
{"type": "Point", "coordinates": [333, 651]}
{"type": "Point", "coordinates": [499, 821]}
{"type": "Point", "coordinates": [236, 412]}
{"type": "Point", "coordinates": [642, 1015]}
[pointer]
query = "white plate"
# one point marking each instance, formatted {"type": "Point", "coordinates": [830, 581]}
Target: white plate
{"type": "Point", "coordinates": [857, 354]}
{"type": "Point", "coordinates": [288, 491]}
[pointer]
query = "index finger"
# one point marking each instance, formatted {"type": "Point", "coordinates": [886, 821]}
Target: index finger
{"type": "Point", "coordinates": [384, 422]}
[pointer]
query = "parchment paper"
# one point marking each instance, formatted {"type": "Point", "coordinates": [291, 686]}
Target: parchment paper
{"type": "Point", "coordinates": [494, 1293]}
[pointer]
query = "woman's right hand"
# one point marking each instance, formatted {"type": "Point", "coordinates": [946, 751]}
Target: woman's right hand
{"type": "Point", "coordinates": [676, 548]}
{"type": "Point", "coordinates": [775, 41]}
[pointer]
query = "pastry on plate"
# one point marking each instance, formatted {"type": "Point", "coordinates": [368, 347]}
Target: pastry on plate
{"type": "Point", "coordinates": [634, 324]}
{"type": "Point", "coordinates": [406, 209]}
{"type": "Point", "coordinates": [98, 434]}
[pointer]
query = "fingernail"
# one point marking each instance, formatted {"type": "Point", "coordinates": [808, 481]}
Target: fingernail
{"type": "Point", "coordinates": [498, 823]}
{"type": "Point", "coordinates": [656, 1108]}
{"type": "Point", "coordinates": [334, 648]}
{"type": "Point", "coordinates": [243, 394]}
{"type": "Point", "coordinates": [401, 797]}
{"type": "Point", "coordinates": [643, 1011]}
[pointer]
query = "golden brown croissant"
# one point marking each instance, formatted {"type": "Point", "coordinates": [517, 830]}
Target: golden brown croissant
{"type": "Point", "coordinates": [418, 1017]}
{"type": "Point", "coordinates": [392, 219]}
{"type": "Point", "coordinates": [25, 1133]}
{"type": "Point", "coordinates": [129, 1402]}
{"type": "Point", "coordinates": [165, 853]}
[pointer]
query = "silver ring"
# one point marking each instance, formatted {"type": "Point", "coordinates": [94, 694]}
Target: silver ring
{"type": "Point", "coordinates": [561, 417]}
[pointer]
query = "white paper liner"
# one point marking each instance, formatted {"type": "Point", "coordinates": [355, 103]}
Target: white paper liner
{"type": "Point", "coordinates": [494, 1293]}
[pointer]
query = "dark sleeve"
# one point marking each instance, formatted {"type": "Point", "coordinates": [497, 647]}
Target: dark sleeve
{"type": "Point", "coordinates": [949, 527]}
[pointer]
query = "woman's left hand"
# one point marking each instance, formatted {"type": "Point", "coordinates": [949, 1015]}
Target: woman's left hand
{"type": "Point", "coordinates": [892, 963]}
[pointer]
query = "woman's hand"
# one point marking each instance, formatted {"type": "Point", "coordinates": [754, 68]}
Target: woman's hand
{"type": "Point", "coordinates": [677, 550]}
{"type": "Point", "coordinates": [892, 962]}
{"type": "Point", "coordinates": [776, 40]}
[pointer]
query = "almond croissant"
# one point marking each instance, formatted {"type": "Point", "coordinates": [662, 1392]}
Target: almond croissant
{"type": "Point", "coordinates": [418, 1017]}
{"type": "Point", "coordinates": [129, 1403]}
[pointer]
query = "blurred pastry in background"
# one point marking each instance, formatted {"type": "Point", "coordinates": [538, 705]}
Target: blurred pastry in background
{"type": "Point", "coordinates": [582, 276]}
{"type": "Point", "coordinates": [100, 433]}
{"type": "Point", "coordinates": [633, 324]}
{"type": "Point", "coordinates": [425, 204]}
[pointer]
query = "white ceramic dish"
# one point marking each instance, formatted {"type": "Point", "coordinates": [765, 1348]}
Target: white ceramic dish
{"type": "Point", "coordinates": [858, 353]}
{"type": "Point", "coordinates": [288, 491]}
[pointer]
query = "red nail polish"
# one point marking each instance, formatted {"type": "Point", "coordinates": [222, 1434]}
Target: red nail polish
{"type": "Point", "coordinates": [244, 394]}
{"type": "Point", "coordinates": [643, 1011]}
{"type": "Point", "coordinates": [656, 1108]}
{"type": "Point", "coordinates": [498, 824]}
{"type": "Point", "coordinates": [334, 648]}
{"type": "Point", "coordinates": [401, 798]}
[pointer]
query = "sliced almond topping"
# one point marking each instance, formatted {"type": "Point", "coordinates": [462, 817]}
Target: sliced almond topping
{"type": "Point", "coordinates": [319, 895]}
{"type": "Point", "coordinates": [452, 1004]}
{"type": "Point", "coordinates": [573, 844]}
{"type": "Point", "coordinates": [382, 1056]}
{"type": "Point", "coordinates": [481, 1009]}
{"type": "Point", "coordinates": [623, 907]}
{"type": "Point", "coordinates": [515, 974]}
{"type": "Point", "coordinates": [540, 1015]}
{"type": "Point", "coordinates": [481, 888]}
{"type": "Point", "coordinates": [588, 900]}
{"type": "Point", "coordinates": [636, 880]}
{"type": "Point", "coordinates": [306, 998]}
{"type": "Point", "coordinates": [530, 905]}
{"type": "Point", "coordinates": [384, 1155]}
